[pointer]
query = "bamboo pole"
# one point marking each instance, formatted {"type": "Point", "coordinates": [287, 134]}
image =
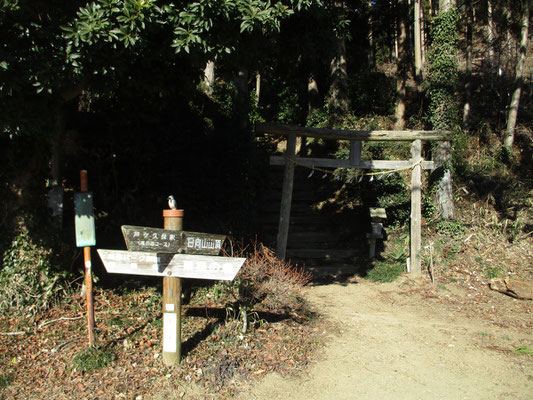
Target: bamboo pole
{"type": "Point", "coordinates": [173, 220]}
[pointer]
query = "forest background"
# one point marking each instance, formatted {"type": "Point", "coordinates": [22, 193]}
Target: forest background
{"type": "Point", "coordinates": [159, 97]}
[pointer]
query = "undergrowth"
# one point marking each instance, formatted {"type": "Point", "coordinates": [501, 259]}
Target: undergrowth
{"type": "Point", "coordinates": [91, 358]}
{"type": "Point", "coordinates": [385, 271]}
{"type": "Point", "coordinates": [30, 277]}
{"type": "Point", "coordinates": [266, 283]}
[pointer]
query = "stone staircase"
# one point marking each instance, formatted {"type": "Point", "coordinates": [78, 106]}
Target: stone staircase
{"type": "Point", "coordinates": [319, 238]}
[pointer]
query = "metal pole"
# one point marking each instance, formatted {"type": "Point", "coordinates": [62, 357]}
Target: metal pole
{"type": "Point", "coordinates": [173, 220]}
{"type": "Point", "coordinates": [88, 272]}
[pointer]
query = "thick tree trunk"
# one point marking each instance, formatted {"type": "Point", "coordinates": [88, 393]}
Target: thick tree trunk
{"type": "Point", "coordinates": [515, 100]}
{"type": "Point", "coordinates": [401, 68]}
{"type": "Point", "coordinates": [339, 78]}
{"type": "Point", "coordinates": [209, 77]}
{"type": "Point", "coordinates": [468, 77]}
{"type": "Point", "coordinates": [444, 194]}
{"type": "Point", "coordinates": [339, 69]}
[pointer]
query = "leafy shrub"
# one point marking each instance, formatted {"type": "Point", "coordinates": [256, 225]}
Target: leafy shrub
{"type": "Point", "coordinates": [29, 278]}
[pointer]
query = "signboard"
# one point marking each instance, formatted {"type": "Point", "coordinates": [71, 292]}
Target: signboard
{"type": "Point", "coordinates": [84, 219]}
{"type": "Point", "coordinates": [173, 265]}
{"type": "Point", "coordinates": [140, 238]}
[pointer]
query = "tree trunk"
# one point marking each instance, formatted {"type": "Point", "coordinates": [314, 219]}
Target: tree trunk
{"type": "Point", "coordinates": [418, 47]}
{"type": "Point", "coordinates": [468, 72]}
{"type": "Point", "coordinates": [422, 38]}
{"type": "Point", "coordinates": [515, 100]}
{"type": "Point", "coordinates": [55, 190]}
{"type": "Point", "coordinates": [371, 44]}
{"type": "Point", "coordinates": [401, 67]}
{"type": "Point", "coordinates": [209, 77]}
{"type": "Point", "coordinates": [395, 50]}
{"type": "Point", "coordinates": [313, 97]}
{"type": "Point", "coordinates": [444, 193]}
{"type": "Point", "coordinates": [446, 5]}
{"type": "Point", "coordinates": [338, 68]}
{"type": "Point", "coordinates": [339, 78]}
{"type": "Point", "coordinates": [257, 88]}
{"type": "Point", "coordinates": [490, 34]}
{"type": "Point", "coordinates": [241, 95]}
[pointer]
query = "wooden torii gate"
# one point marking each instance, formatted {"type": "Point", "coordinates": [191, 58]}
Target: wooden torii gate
{"type": "Point", "coordinates": [416, 163]}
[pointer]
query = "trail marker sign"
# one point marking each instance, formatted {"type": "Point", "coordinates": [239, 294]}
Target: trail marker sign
{"type": "Point", "coordinates": [171, 254]}
{"type": "Point", "coordinates": [84, 219]}
{"type": "Point", "coordinates": [140, 238]}
{"type": "Point", "coordinates": [175, 265]}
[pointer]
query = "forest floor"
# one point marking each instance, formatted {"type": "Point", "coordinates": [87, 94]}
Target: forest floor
{"type": "Point", "coordinates": [453, 338]}
{"type": "Point", "coordinates": [409, 339]}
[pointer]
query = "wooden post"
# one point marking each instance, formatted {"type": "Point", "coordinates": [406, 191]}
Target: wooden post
{"type": "Point", "coordinates": [355, 152]}
{"type": "Point", "coordinates": [88, 272]}
{"type": "Point", "coordinates": [286, 198]}
{"type": "Point", "coordinates": [416, 209]}
{"type": "Point", "coordinates": [173, 220]}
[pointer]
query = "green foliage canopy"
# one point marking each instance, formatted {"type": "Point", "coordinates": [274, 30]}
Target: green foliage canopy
{"type": "Point", "coordinates": [50, 46]}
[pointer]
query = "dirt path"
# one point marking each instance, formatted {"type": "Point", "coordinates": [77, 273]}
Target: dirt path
{"type": "Point", "coordinates": [382, 344]}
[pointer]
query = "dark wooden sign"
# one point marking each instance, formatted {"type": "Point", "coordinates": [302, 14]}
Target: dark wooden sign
{"type": "Point", "coordinates": [174, 265]}
{"type": "Point", "coordinates": [141, 238]}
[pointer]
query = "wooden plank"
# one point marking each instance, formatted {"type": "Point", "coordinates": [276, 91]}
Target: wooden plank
{"type": "Point", "coordinates": [140, 238]}
{"type": "Point", "coordinates": [416, 208]}
{"type": "Point", "coordinates": [175, 265]}
{"type": "Point", "coordinates": [338, 163]}
{"type": "Point", "coordinates": [343, 134]}
{"type": "Point", "coordinates": [286, 199]}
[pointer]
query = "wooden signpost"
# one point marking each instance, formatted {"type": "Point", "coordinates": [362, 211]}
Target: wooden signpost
{"type": "Point", "coordinates": [172, 254]}
{"type": "Point", "coordinates": [86, 237]}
